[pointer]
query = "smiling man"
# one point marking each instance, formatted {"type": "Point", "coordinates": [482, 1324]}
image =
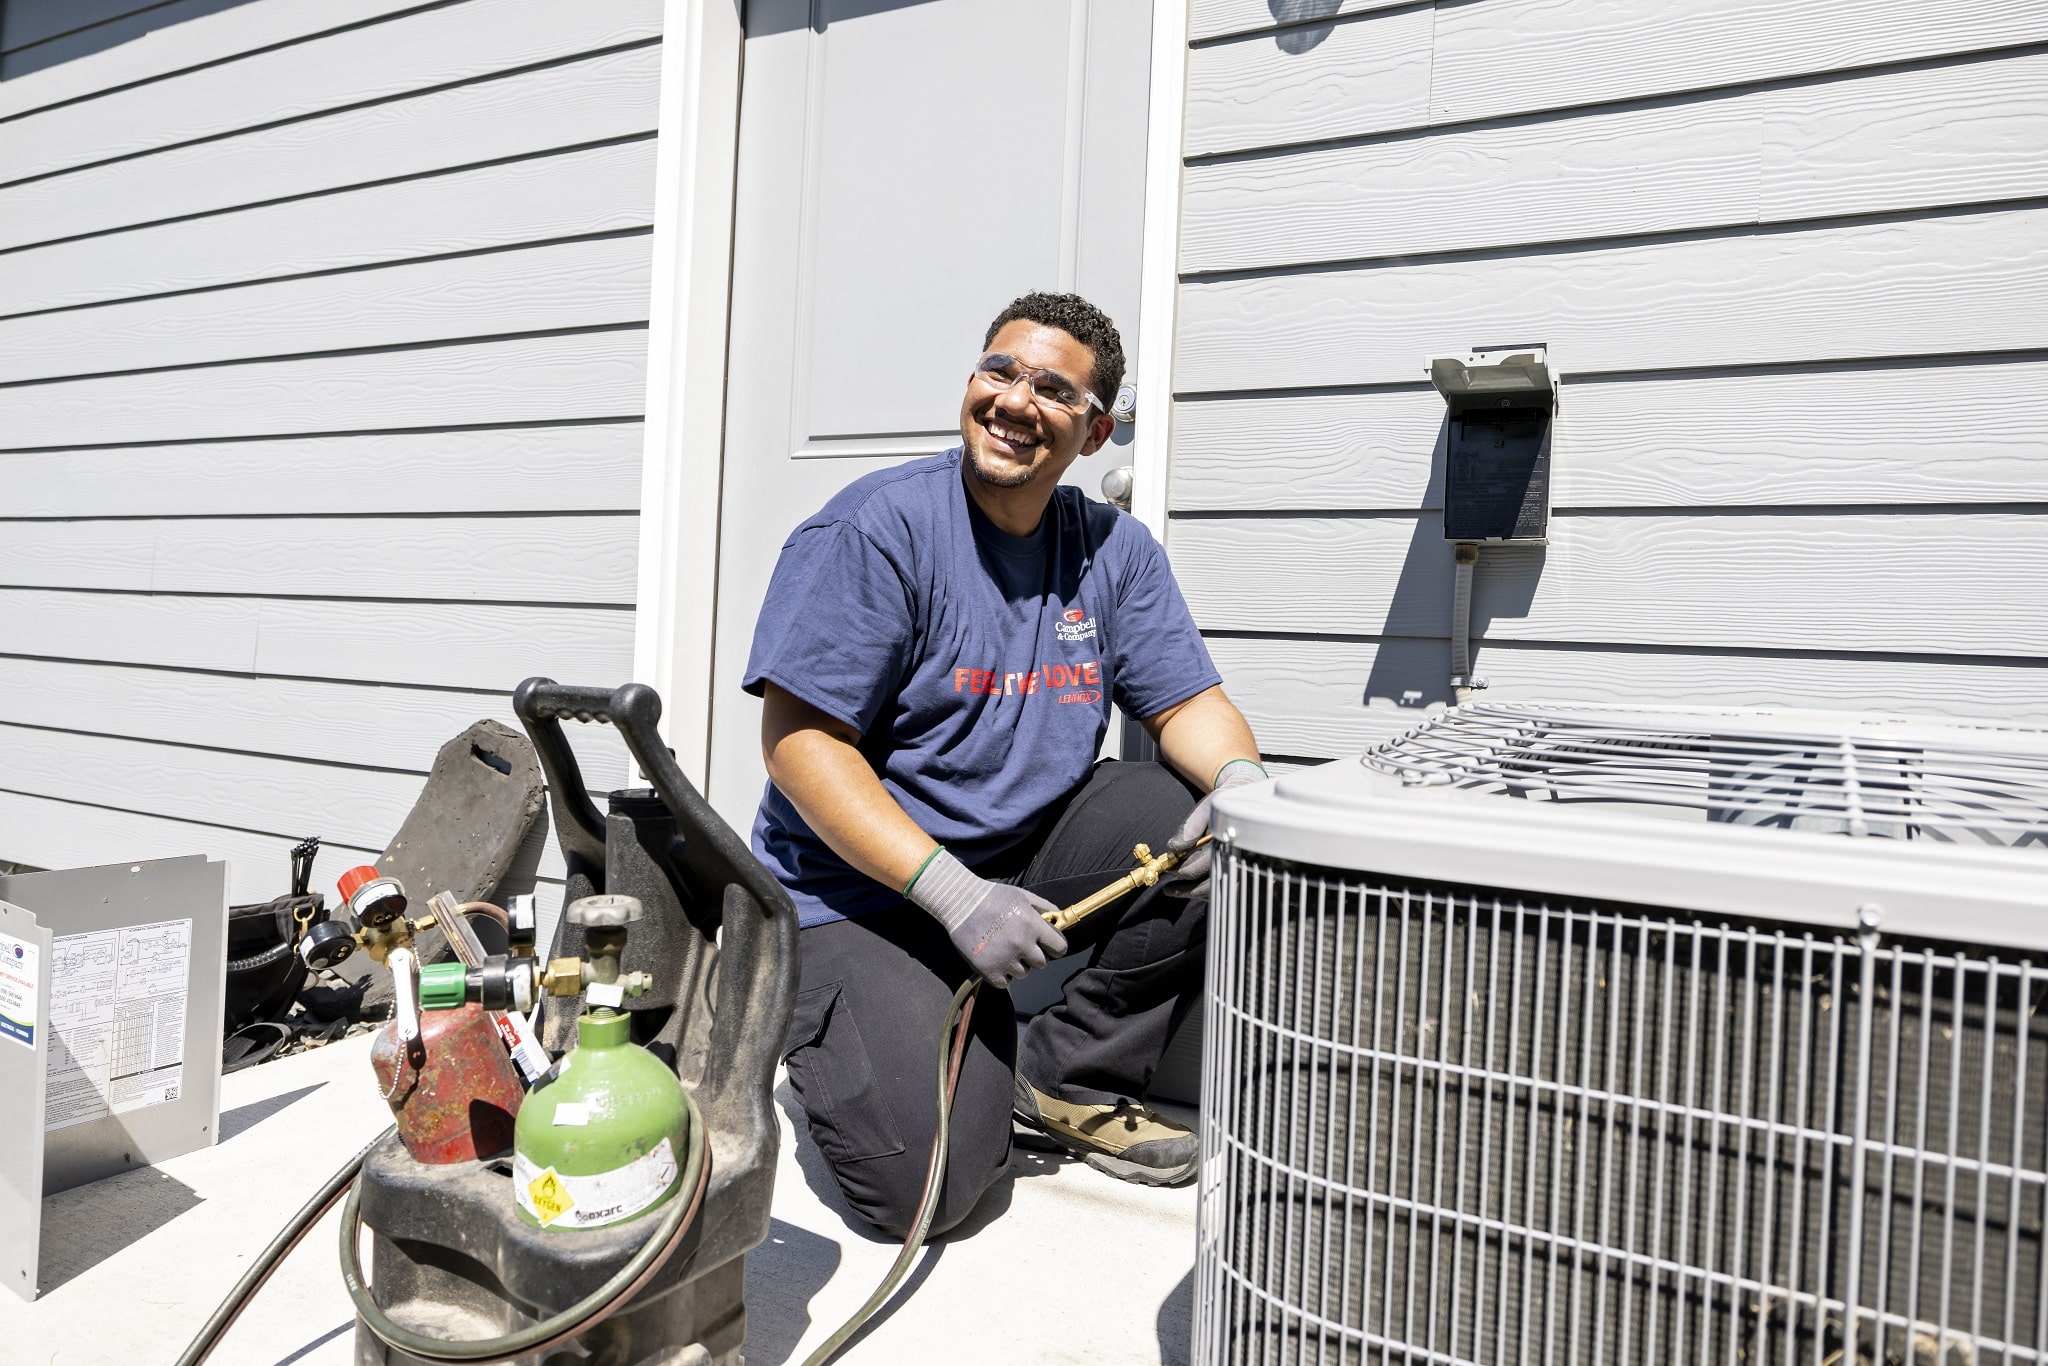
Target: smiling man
{"type": "Point", "coordinates": [938, 654]}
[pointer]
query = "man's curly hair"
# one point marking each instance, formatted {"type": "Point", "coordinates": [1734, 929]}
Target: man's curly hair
{"type": "Point", "coordinates": [1082, 321]}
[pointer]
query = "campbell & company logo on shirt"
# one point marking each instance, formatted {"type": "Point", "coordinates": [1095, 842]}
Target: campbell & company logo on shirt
{"type": "Point", "coordinates": [1075, 626]}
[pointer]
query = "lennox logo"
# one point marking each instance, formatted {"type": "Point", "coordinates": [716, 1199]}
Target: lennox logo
{"type": "Point", "coordinates": [1086, 696]}
{"type": "Point", "coordinates": [1073, 614]}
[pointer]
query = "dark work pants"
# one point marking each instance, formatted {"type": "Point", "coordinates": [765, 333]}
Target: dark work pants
{"type": "Point", "coordinates": [863, 1043]}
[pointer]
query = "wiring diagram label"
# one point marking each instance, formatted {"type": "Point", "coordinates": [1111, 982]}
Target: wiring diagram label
{"type": "Point", "coordinates": [117, 1021]}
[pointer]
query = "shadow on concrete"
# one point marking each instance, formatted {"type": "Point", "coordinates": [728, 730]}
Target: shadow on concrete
{"type": "Point", "coordinates": [245, 1117]}
{"type": "Point", "coordinates": [1176, 1323]}
{"type": "Point", "coordinates": [926, 1260]}
{"type": "Point", "coordinates": [994, 1203]}
{"type": "Point", "coordinates": [817, 1175]}
{"type": "Point", "coordinates": [783, 1275]}
{"type": "Point", "coordinates": [85, 1225]}
{"type": "Point", "coordinates": [316, 1344]}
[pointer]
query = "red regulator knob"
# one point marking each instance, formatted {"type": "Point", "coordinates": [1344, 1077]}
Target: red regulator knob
{"type": "Point", "coordinates": [373, 898]}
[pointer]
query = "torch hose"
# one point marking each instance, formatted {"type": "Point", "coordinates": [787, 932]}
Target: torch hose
{"type": "Point", "coordinates": [953, 1036]}
{"type": "Point", "coordinates": [551, 1332]}
{"type": "Point", "coordinates": [608, 1298]}
{"type": "Point", "coordinates": [952, 1048]}
{"type": "Point", "coordinates": [273, 1256]}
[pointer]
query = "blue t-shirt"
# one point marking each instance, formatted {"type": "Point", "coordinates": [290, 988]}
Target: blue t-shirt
{"type": "Point", "coordinates": [979, 667]}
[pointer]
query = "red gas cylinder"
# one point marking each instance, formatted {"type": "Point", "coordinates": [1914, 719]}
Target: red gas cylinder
{"type": "Point", "coordinates": [454, 1093]}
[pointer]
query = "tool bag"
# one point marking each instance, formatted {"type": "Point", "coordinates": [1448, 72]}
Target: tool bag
{"type": "Point", "coordinates": [264, 974]}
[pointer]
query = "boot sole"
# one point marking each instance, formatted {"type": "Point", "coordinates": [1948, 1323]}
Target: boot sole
{"type": "Point", "coordinates": [1043, 1138]}
{"type": "Point", "coordinates": [1137, 1172]}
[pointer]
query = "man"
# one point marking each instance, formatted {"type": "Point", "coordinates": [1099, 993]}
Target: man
{"type": "Point", "coordinates": [938, 654]}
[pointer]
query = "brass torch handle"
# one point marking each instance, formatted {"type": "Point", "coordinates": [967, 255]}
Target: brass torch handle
{"type": "Point", "coordinates": [1146, 874]}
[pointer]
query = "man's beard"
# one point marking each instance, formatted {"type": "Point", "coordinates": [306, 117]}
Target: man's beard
{"type": "Point", "coordinates": [1013, 479]}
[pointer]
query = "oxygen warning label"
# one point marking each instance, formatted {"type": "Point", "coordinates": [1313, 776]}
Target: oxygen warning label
{"type": "Point", "coordinates": [117, 1021]}
{"type": "Point", "coordinates": [593, 1201]}
{"type": "Point", "coordinates": [18, 968]}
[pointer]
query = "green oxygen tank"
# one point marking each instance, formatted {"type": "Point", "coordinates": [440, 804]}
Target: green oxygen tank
{"type": "Point", "coordinates": [604, 1141]}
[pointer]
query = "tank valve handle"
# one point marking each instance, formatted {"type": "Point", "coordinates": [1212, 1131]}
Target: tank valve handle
{"type": "Point", "coordinates": [405, 998]}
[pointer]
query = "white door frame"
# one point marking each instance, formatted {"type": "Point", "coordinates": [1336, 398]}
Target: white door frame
{"type": "Point", "coordinates": [694, 165]}
{"type": "Point", "coordinates": [1159, 264]}
{"type": "Point", "coordinates": [682, 457]}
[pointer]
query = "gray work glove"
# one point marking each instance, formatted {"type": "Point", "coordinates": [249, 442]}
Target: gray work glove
{"type": "Point", "coordinates": [1190, 877]}
{"type": "Point", "coordinates": [999, 929]}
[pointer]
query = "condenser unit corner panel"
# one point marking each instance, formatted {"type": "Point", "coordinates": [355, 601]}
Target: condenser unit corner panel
{"type": "Point", "coordinates": [1345, 816]}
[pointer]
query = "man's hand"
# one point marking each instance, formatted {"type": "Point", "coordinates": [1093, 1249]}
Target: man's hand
{"type": "Point", "coordinates": [1190, 877]}
{"type": "Point", "coordinates": [997, 928]}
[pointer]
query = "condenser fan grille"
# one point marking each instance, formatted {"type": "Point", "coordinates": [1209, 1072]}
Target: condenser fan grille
{"type": "Point", "coordinates": [1459, 1125]}
{"type": "Point", "coordinates": [1981, 786]}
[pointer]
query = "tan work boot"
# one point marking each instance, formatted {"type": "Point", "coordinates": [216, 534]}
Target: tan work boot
{"type": "Point", "coordinates": [1129, 1141]}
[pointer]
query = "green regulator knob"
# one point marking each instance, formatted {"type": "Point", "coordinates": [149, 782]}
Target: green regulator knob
{"type": "Point", "coordinates": [443, 986]}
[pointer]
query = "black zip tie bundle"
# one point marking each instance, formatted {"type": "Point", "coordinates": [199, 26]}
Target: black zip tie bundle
{"type": "Point", "coordinates": [302, 864]}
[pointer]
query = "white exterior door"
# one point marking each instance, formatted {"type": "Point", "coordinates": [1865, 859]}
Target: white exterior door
{"type": "Point", "coordinates": [905, 169]}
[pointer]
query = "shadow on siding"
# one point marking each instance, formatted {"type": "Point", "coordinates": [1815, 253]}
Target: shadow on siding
{"type": "Point", "coordinates": [35, 34]}
{"type": "Point", "coordinates": [1411, 667]}
{"type": "Point", "coordinates": [1295, 41]}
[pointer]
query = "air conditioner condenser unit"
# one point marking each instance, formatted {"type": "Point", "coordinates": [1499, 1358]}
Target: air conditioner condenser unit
{"type": "Point", "coordinates": [1599, 1036]}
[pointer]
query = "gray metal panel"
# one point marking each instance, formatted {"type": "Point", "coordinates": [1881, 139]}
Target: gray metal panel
{"type": "Point", "coordinates": [81, 900]}
{"type": "Point", "coordinates": [21, 1121]}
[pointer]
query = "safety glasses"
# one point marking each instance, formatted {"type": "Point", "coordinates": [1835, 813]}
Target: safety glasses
{"type": "Point", "coordinates": [1049, 388]}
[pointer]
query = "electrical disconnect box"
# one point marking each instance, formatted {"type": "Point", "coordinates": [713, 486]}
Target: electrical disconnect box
{"type": "Point", "coordinates": [1497, 450]}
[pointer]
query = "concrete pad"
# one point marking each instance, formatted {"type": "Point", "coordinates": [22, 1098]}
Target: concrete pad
{"type": "Point", "coordinates": [1060, 1263]}
{"type": "Point", "coordinates": [132, 1265]}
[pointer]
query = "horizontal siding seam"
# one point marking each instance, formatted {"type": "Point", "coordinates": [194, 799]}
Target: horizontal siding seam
{"type": "Point", "coordinates": [189, 820]}
{"type": "Point", "coordinates": [150, 443]}
{"type": "Point", "coordinates": [418, 93]}
{"type": "Point", "coordinates": [1815, 364]}
{"type": "Point", "coordinates": [2018, 662]}
{"type": "Point", "coordinates": [438, 515]}
{"type": "Point", "coordinates": [243, 595]}
{"type": "Point", "coordinates": [248, 675]}
{"type": "Point", "coordinates": [1589, 511]}
{"type": "Point", "coordinates": [1564, 246]}
{"type": "Point", "coordinates": [1409, 132]}
{"type": "Point", "coordinates": [143, 8]}
{"type": "Point", "coordinates": [385, 348]}
{"type": "Point", "coordinates": [1295, 26]}
{"type": "Point", "coordinates": [328, 190]}
{"type": "Point", "coordinates": [358, 268]}
{"type": "Point", "coordinates": [243, 55]}
{"type": "Point", "coordinates": [270, 756]}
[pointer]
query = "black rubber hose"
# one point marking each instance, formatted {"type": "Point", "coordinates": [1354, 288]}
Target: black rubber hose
{"type": "Point", "coordinates": [578, 1318]}
{"type": "Point", "coordinates": [952, 1048]}
{"type": "Point", "coordinates": [335, 1187]}
{"type": "Point", "coordinates": [275, 953]}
